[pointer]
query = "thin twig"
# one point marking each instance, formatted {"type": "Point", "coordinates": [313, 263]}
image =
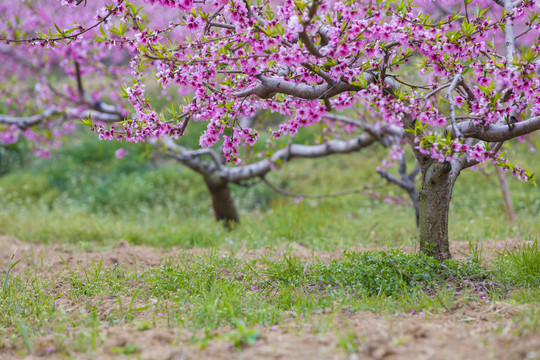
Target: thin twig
{"type": "Point", "coordinates": [58, 38]}
{"type": "Point", "coordinates": [79, 80]}
{"type": "Point", "coordinates": [396, 77]}
{"type": "Point", "coordinates": [430, 94]}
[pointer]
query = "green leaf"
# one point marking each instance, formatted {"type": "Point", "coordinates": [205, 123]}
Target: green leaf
{"type": "Point", "coordinates": [87, 122]}
{"type": "Point", "coordinates": [142, 308]}
{"type": "Point", "coordinates": [361, 82]}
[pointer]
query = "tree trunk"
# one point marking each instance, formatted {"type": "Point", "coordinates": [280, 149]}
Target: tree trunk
{"type": "Point", "coordinates": [437, 184]}
{"type": "Point", "coordinates": [222, 201]}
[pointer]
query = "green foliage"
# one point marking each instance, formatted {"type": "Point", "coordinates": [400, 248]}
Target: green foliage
{"type": "Point", "coordinates": [26, 186]}
{"type": "Point", "coordinates": [221, 291]}
{"type": "Point", "coordinates": [190, 277]}
{"type": "Point", "coordinates": [13, 157]}
{"type": "Point", "coordinates": [289, 270]}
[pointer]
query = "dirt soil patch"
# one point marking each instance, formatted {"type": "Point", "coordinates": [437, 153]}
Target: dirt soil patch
{"type": "Point", "coordinates": [50, 259]}
{"type": "Point", "coordinates": [470, 331]}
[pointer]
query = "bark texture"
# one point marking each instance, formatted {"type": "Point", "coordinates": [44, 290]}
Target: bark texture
{"type": "Point", "coordinates": [435, 195]}
{"type": "Point", "coordinates": [222, 201]}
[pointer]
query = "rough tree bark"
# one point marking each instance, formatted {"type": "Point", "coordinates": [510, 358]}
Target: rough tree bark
{"type": "Point", "coordinates": [222, 201]}
{"type": "Point", "coordinates": [437, 183]}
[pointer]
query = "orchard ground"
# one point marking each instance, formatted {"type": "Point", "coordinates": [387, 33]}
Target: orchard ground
{"type": "Point", "coordinates": [103, 304]}
{"type": "Point", "coordinates": [121, 259]}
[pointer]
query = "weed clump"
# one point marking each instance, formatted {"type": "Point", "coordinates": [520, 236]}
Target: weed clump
{"type": "Point", "coordinates": [521, 266]}
{"type": "Point", "coordinates": [380, 273]}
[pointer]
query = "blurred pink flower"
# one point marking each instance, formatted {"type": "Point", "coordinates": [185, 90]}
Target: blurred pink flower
{"type": "Point", "coordinates": [120, 153]}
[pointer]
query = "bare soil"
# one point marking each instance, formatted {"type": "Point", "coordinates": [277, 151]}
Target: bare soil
{"type": "Point", "coordinates": [470, 331]}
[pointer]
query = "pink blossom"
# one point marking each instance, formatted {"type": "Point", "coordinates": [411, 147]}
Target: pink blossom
{"type": "Point", "coordinates": [458, 101]}
{"type": "Point", "coordinates": [8, 137]}
{"type": "Point", "coordinates": [120, 153]}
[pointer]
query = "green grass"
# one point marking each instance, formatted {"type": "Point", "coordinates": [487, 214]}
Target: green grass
{"type": "Point", "coordinates": [521, 266]}
{"type": "Point", "coordinates": [197, 292]}
{"type": "Point", "coordinates": [85, 193]}
{"type": "Point", "coordinates": [211, 292]}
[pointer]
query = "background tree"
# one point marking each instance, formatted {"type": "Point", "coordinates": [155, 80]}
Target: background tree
{"type": "Point", "coordinates": [218, 176]}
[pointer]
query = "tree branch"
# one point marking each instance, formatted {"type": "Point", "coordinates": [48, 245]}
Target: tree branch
{"type": "Point", "coordinates": [24, 122]}
{"type": "Point", "coordinates": [510, 40]}
{"type": "Point", "coordinates": [271, 86]}
{"type": "Point", "coordinates": [262, 167]}
{"type": "Point", "coordinates": [392, 179]}
{"type": "Point", "coordinates": [80, 86]}
{"type": "Point", "coordinates": [498, 133]}
{"type": "Point", "coordinates": [320, 73]}
{"type": "Point", "coordinates": [221, 25]}
{"type": "Point", "coordinates": [431, 93]}
{"type": "Point", "coordinates": [450, 98]}
{"type": "Point", "coordinates": [188, 158]}
{"type": "Point", "coordinates": [310, 46]}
